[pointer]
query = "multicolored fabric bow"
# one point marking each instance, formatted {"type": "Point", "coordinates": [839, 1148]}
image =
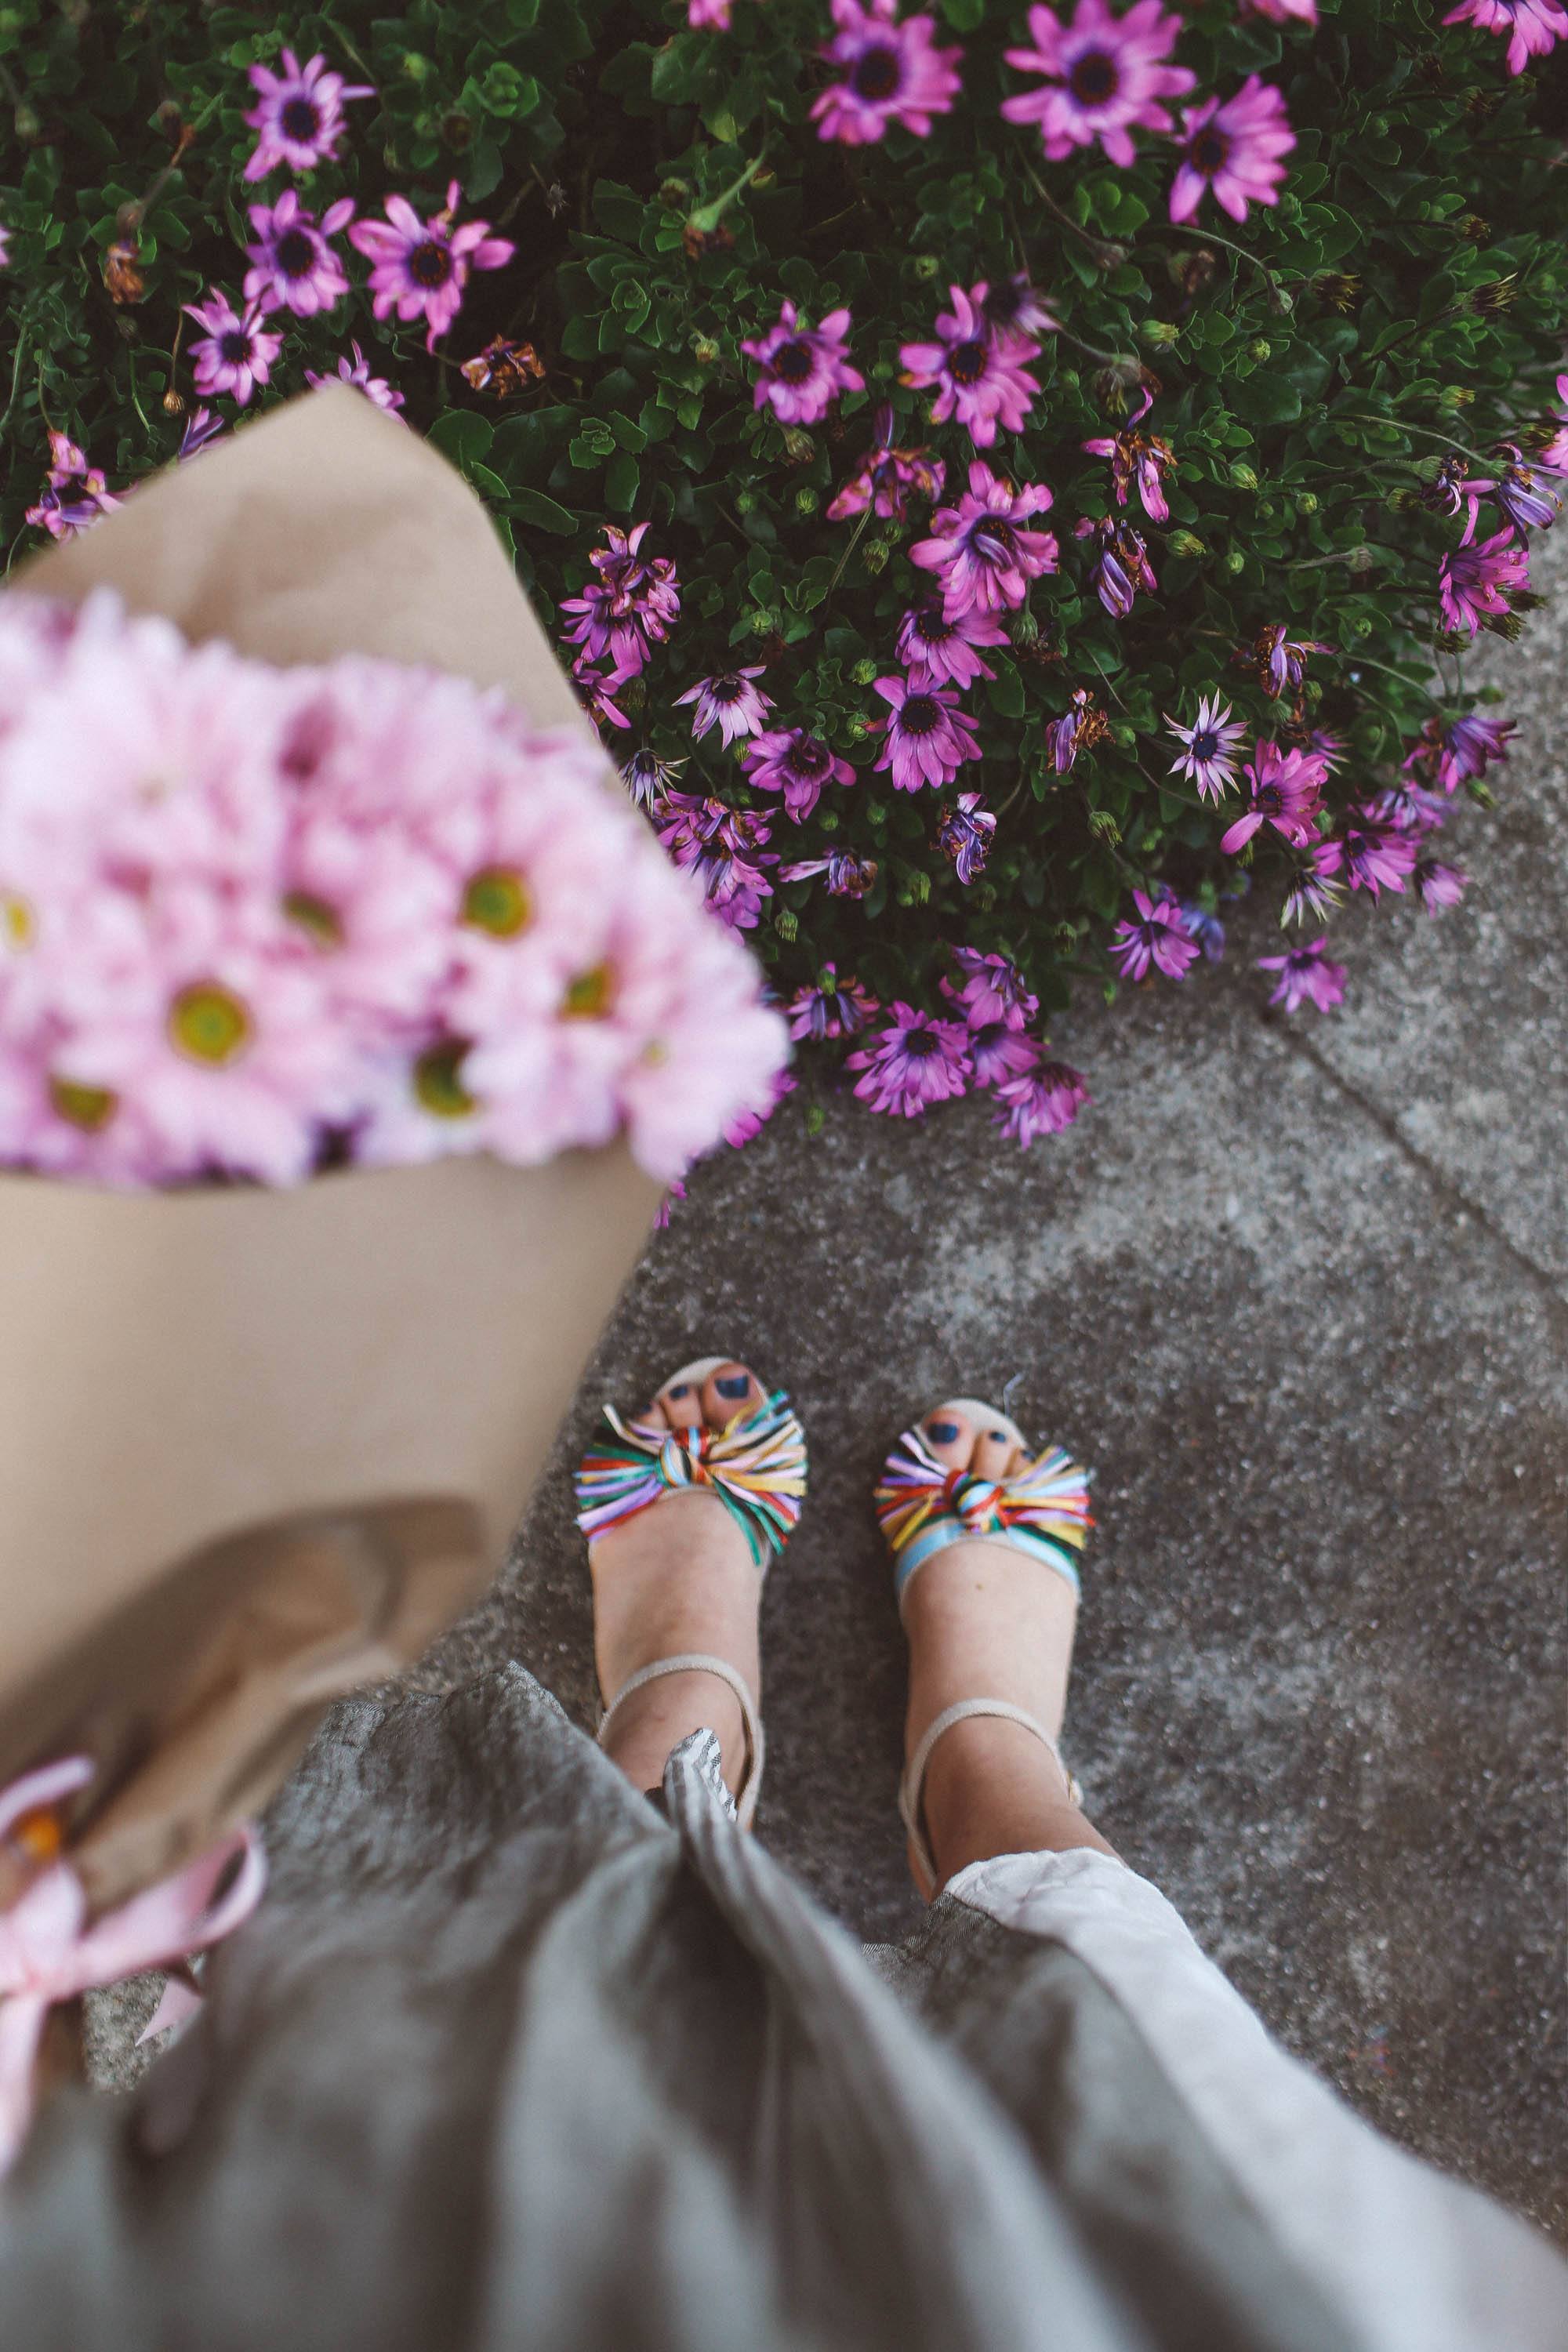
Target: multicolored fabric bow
{"type": "Point", "coordinates": [1047, 1503]}
{"type": "Point", "coordinates": [49, 1953]}
{"type": "Point", "coordinates": [757, 1467]}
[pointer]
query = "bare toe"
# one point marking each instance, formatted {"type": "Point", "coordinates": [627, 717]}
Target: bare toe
{"type": "Point", "coordinates": [994, 1452]}
{"type": "Point", "coordinates": [950, 1435]}
{"type": "Point", "coordinates": [729, 1391]}
{"type": "Point", "coordinates": [680, 1404]}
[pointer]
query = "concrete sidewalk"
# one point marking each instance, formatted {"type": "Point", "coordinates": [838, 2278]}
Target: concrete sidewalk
{"type": "Point", "coordinates": [1300, 1290]}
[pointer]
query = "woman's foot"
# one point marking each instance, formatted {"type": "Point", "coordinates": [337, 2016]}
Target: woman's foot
{"type": "Point", "coordinates": [679, 1577]}
{"type": "Point", "coordinates": [987, 1621]}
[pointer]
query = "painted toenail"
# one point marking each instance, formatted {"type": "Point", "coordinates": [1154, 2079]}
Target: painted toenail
{"type": "Point", "coordinates": [997, 1437]}
{"type": "Point", "coordinates": [736, 1386]}
{"type": "Point", "coordinates": [943, 1432]}
{"type": "Point", "coordinates": [681, 1388]}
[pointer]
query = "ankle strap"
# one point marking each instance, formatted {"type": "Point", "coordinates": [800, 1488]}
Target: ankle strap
{"type": "Point", "coordinates": [913, 1783]}
{"type": "Point", "coordinates": [696, 1662]}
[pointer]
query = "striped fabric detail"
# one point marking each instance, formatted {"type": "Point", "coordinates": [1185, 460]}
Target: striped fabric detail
{"type": "Point", "coordinates": [1048, 1503]}
{"type": "Point", "coordinates": [756, 1465]}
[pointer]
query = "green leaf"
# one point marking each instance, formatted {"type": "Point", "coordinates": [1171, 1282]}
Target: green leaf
{"type": "Point", "coordinates": [532, 506]}
{"type": "Point", "coordinates": [965, 16]}
{"type": "Point", "coordinates": [462, 435]}
{"type": "Point", "coordinates": [622, 477]}
{"type": "Point", "coordinates": [1265, 398]}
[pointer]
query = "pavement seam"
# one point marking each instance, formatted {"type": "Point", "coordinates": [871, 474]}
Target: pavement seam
{"type": "Point", "coordinates": [1453, 1195]}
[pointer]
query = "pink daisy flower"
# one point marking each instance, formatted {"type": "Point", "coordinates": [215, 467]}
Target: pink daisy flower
{"type": "Point", "coordinates": [292, 266]}
{"type": "Point", "coordinates": [235, 353]}
{"type": "Point", "coordinates": [1105, 76]}
{"type": "Point", "coordinates": [1043, 1101]}
{"type": "Point", "coordinates": [1282, 12]}
{"type": "Point", "coordinates": [1286, 793]}
{"type": "Point", "coordinates": [943, 652]}
{"type": "Point", "coordinates": [629, 608]}
{"type": "Point", "coordinates": [299, 114]}
{"type": "Point", "coordinates": [982, 552]}
{"type": "Point", "coordinates": [797, 763]}
{"type": "Point", "coordinates": [1373, 855]}
{"type": "Point", "coordinates": [420, 268]}
{"type": "Point", "coordinates": [834, 1008]}
{"type": "Point", "coordinates": [1474, 582]}
{"type": "Point", "coordinates": [730, 702]}
{"type": "Point", "coordinates": [999, 1055]}
{"type": "Point", "coordinates": [1234, 148]}
{"type": "Point", "coordinates": [990, 988]}
{"type": "Point", "coordinates": [1153, 937]}
{"type": "Point", "coordinates": [1438, 886]}
{"type": "Point", "coordinates": [978, 370]}
{"type": "Point", "coordinates": [357, 374]}
{"type": "Point", "coordinates": [804, 369]}
{"type": "Point", "coordinates": [1306, 977]}
{"type": "Point", "coordinates": [708, 15]}
{"type": "Point", "coordinates": [913, 1061]}
{"type": "Point", "coordinates": [927, 736]}
{"type": "Point", "coordinates": [1533, 26]}
{"type": "Point", "coordinates": [896, 74]}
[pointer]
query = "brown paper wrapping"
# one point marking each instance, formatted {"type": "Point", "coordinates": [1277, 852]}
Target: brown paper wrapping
{"type": "Point", "coordinates": [259, 1447]}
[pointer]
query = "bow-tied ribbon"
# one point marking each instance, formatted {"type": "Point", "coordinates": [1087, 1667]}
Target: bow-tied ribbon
{"type": "Point", "coordinates": [49, 1952]}
{"type": "Point", "coordinates": [977, 1502]}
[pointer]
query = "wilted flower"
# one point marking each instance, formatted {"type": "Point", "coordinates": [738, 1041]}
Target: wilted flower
{"type": "Point", "coordinates": [980, 550]}
{"type": "Point", "coordinates": [1530, 507]}
{"type": "Point", "coordinates": [1474, 582]}
{"type": "Point", "coordinates": [1154, 936]}
{"type": "Point", "coordinates": [1045, 1101]}
{"type": "Point", "coordinates": [990, 988]}
{"type": "Point", "coordinates": [1079, 729]}
{"type": "Point", "coordinates": [978, 369]}
{"type": "Point", "coordinates": [848, 876]}
{"type": "Point", "coordinates": [834, 1008]}
{"type": "Point", "coordinates": [1104, 76]}
{"type": "Point", "coordinates": [61, 515]}
{"type": "Point", "coordinates": [647, 778]}
{"type": "Point", "coordinates": [1286, 793]}
{"type": "Point", "coordinates": [928, 737]}
{"type": "Point", "coordinates": [804, 369]}
{"type": "Point", "coordinates": [419, 268]}
{"type": "Point", "coordinates": [504, 368]}
{"type": "Point", "coordinates": [964, 835]}
{"type": "Point", "coordinates": [730, 702]}
{"type": "Point", "coordinates": [1141, 458]}
{"type": "Point", "coordinates": [1234, 148]}
{"type": "Point", "coordinates": [1306, 976]}
{"type": "Point", "coordinates": [1122, 566]}
{"type": "Point", "coordinates": [888, 477]}
{"type": "Point", "coordinates": [123, 278]}
{"type": "Point", "coordinates": [896, 74]}
{"type": "Point", "coordinates": [1280, 660]}
{"type": "Point", "coordinates": [358, 376]}
{"type": "Point", "coordinates": [1211, 745]}
{"type": "Point", "coordinates": [292, 266]}
{"type": "Point", "coordinates": [797, 763]}
{"type": "Point", "coordinates": [299, 114]}
{"type": "Point", "coordinates": [235, 353]}
{"type": "Point", "coordinates": [913, 1061]}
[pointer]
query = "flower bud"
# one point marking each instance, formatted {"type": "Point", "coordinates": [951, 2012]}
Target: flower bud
{"type": "Point", "coordinates": [859, 724]}
{"type": "Point", "coordinates": [1359, 559]}
{"type": "Point", "coordinates": [1064, 938]}
{"type": "Point", "coordinates": [1478, 790]}
{"type": "Point", "coordinates": [865, 672]}
{"type": "Point", "coordinates": [745, 502]}
{"type": "Point", "coordinates": [1306, 502]}
{"type": "Point", "coordinates": [786, 923]}
{"type": "Point", "coordinates": [1504, 625]}
{"type": "Point", "coordinates": [924, 266]}
{"type": "Point", "coordinates": [827, 821]}
{"type": "Point", "coordinates": [1104, 827]}
{"type": "Point", "coordinates": [874, 556]}
{"type": "Point", "coordinates": [416, 67]}
{"type": "Point", "coordinates": [1022, 628]}
{"type": "Point", "coordinates": [763, 619]}
{"type": "Point", "coordinates": [173, 402]}
{"type": "Point", "coordinates": [1455, 396]}
{"type": "Point", "coordinates": [799, 446]}
{"type": "Point", "coordinates": [1235, 560]}
{"type": "Point", "coordinates": [1260, 349]}
{"type": "Point", "coordinates": [704, 350]}
{"type": "Point", "coordinates": [1313, 691]}
{"type": "Point", "coordinates": [632, 693]}
{"type": "Point", "coordinates": [1402, 502]}
{"type": "Point", "coordinates": [1186, 542]}
{"type": "Point", "coordinates": [1243, 477]}
{"type": "Point", "coordinates": [806, 500]}
{"type": "Point", "coordinates": [1161, 332]}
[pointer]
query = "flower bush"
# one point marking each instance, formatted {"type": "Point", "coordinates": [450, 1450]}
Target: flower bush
{"type": "Point", "coordinates": [1007, 478]}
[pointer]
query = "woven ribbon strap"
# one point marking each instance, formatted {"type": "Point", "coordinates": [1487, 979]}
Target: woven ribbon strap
{"type": "Point", "coordinates": [757, 1466]}
{"type": "Point", "coordinates": [1043, 1508]}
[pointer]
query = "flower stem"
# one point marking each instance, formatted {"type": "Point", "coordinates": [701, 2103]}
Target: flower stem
{"type": "Point", "coordinates": [1402, 424]}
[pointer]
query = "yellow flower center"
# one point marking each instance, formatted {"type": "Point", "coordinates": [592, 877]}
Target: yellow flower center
{"type": "Point", "coordinates": [36, 1836]}
{"type": "Point", "coordinates": [17, 920]}
{"type": "Point", "coordinates": [587, 997]}
{"type": "Point", "coordinates": [315, 918]}
{"type": "Point", "coordinates": [439, 1080]}
{"type": "Point", "coordinates": [497, 901]}
{"type": "Point", "coordinates": [89, 1107]}
{"type": "Point", "coordinates": [209, 1023]}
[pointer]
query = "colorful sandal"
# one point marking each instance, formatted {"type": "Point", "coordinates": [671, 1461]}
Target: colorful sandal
{"type": "Point", "coordinates": [756, 1465]}
{"type": "Point", "coordinates": [922, 1507]}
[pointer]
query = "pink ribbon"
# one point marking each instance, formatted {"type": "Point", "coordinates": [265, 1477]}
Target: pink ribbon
{"type": "Point", "coordinates": [49, 1953]}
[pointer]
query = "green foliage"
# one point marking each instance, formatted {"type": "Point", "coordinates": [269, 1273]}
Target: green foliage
{"type": "Point", "coordinates": [665, 188]}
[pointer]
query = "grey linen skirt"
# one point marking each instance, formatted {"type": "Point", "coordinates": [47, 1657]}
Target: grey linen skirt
{"type": "Point", "coordinates": [511, 2059]}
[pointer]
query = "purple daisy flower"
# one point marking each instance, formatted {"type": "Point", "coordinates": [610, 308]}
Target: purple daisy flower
{"type": "Point", "coordinates": [61, 515]}
{"type": "Point", "coordinates": [1313, 892]}
{"type": "Point", "coordinates": [1154, 937]}
{"type": "Point", "coordinates": [896, 75]}
{"type": "Point", "coordinates": [200, 426]}
{"type": "Point", "coordinates": [724, 847]}
{"type": "Point", "coordinates": [1466, 747]}
{"type": "Point", "coordinates": [1078, 729]}
{"type": "Point", "coordinates": [834, 1008]}
{"type": "Point", "coordinates": [983, 555]}
{"type": "Point", "coordinates": [915, 1060]}
{"type": "Point", "coordinates": [1438, 886]}
{"type": "Point", "coordinates": [943, 652]}
{"type": "Point", "coordinates": [978, 369]}
{"type": "Point", "coordinates": [1530, 506]}
{"type": "Point", "coordinates": [964, 835]}
{"type": "Point", "coordinates": [1105, 76]}
{"type": "Point", "coordinates": [1122, 566]}
{"type": "Point", "coordinates": [1306, 975]}
{"type": "Point", "coordinates": [928, 737]}
{"type": "Point", "coordinates": [1234, 148]}
{"type": "Point", "coordinates": [797, 763]}
{"type": "Point", "coordinates": [357, 375]}
{"type": "Point", "coordinates": [1372, 856]}
{"type": "Point", "coordinates": [1144, 458]}
{"type": "Point", "coordinates": [595, 692]}
{"type": "Point", "coordinates": [730, 702]}
{"type": "Point", "coordinates": [299, 114]}
{"type": "Point", "coordinates": [1211, 744]}
{"type": "Point", "coordinates": [292, 266]}
{"type": "Point", "coordinates": [1474, 582]}
{"type": "Point", "coordinates": [419, 268]}
{"type": "Point", "coordinates": [999, 1054]}
{"type": "Point", "coordinates": [804, 369]}
{"type": "Point", "coordinates": [848, 876]}
{"type": "Point", "coordinates": [1204, 928]}
{"type": "Point", "coordinates": [990, 988]}
{"type": "Point", "coordinates": [1409, 808]}
{"type": "Point", "coordinates": [1045, 1102]}
{"type": "Point", "coordinates": [630, 607]}
{"type": "Point", "coordinates": [1287, 792]}
{"type": "Point", "coordinates": [1014, 302]}
{"type": "Point", "coordinates": [235, 353]}
{"type": "Point", "coordinates": [1533, 26]}
{"type": "Point", "coordinates": [647, 778]}
{"type": "Point", "coordinates": [888, 478]}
